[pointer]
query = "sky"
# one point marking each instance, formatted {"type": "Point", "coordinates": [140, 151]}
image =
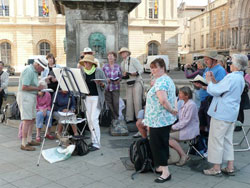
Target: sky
{"type": "Point", "coordinates": [193, 2]}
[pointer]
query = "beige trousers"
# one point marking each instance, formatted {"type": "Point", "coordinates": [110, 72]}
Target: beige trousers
{"type": "Point", "coordinates": [220, 141]}
{"type": "Point", "coordinates": [134, 100]}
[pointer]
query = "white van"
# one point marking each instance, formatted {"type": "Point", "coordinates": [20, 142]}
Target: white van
{"type": "Point", "coordinates": [146, 66]}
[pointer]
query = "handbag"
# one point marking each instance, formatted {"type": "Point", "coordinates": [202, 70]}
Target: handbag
{"type": "Point", "coordinates": [131, 82]}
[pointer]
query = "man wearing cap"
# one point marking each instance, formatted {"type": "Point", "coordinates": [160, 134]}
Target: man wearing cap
{"type": "Point", "coordinates": [89, 51]}
{"type": "Point", "coordinates": [26, 99]}
{"type": "Point", "coordinates": [210, 58]}
{"type": "Point", "coordinates": [132, 70]}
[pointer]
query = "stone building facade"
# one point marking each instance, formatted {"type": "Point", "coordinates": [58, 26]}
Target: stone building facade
{"type": "Point", "coordinates": [239, 18]}
{"type": "Point", "coordinates": [27, 29]}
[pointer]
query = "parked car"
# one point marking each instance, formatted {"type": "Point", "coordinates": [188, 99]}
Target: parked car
{"type": "Point", "coordinates": [146, 66]}
{"type": "Point", "coordinates": [31, 59]}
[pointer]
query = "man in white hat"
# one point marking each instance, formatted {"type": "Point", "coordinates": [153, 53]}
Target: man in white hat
{"type": "Point", "coordinates": [26, 98]}
{"type": "Point", "coordinates": [210, 58]}
{"type": "Point", "coordinates": [88, 51]}
{"type": "Point", "coordinates": [132, 70]}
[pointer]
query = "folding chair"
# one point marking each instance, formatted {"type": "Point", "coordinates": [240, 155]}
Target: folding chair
{"type": "Point", "coordinates": [191, 143]}
{"type": "Point", "coordinates": [245, 130]}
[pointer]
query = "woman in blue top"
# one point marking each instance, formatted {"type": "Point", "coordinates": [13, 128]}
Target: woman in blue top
{"type": "Point", "coordinates": [224, 110]}
{"type": "Point", "coordinates": [160, 114]}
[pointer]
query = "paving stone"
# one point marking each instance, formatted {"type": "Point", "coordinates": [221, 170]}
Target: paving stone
{"type": "Point", "coordinates": [16, 175]}
{"type": "Point", "coordinates": [75, 181]}
{"type": "Point", "coordinates": [231, 184]}
{"type": "Point", "coordinates": [31, 182]}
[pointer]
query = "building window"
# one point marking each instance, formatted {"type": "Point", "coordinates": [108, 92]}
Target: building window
{"type": "Point", "coordinates": [221, 38]}
{"type": "Point", "coordinates": [208, 20]}
{"type": "Point", "coordinates": [194, 26]}
{"type": "Point", "coordinates": [207, 40]}
{"type": "Point", "coordinates": [202, 41]}
{"type": "Point", "coordinates": [194, 44]}
{"type": "Point", "coordinates": [43, 7]}
{"type": "Point", "coordinates": [214, 39]}
{"type": "Point", "coordinates": [152, 49]}
{"type": "Point", "coordinates": [5, 53]}
{"type": "Point", "coordinates": [214, 20]}
{"type": "Point", "coordinates": [223, 17]}
{"type": "Point", "coordinates": [202, 23]}
{"type": "Point", "coordinates": [4, 8]}
{"type": "Point", "coordinates": [44, 48]}
{"type": "Point", "coordinates": [153, 9]}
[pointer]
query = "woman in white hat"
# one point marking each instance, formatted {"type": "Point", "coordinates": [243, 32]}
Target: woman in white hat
{"type": "Point", "coordinates": [96, 82]}
{"type": "Point", "coordinates": [132, 70]}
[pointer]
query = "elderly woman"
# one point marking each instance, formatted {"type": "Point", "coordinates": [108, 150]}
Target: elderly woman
{"type": "Point", "coordinates": [160, 114]}
{"type": "Point", "coordinates": [113, 74]}
{"type": "Point", "coordinates": [96, 82]}
{"type": "Point", "coordinates": [48, 73]}
{"type": "Point", "coordinates": [132, 70]}
{"type": "Point", "coordinates": [224, 111]}
{"type": "Point", "coordinates": [200, 69]}
{"type": "Point", "coordinates": [188, 125]}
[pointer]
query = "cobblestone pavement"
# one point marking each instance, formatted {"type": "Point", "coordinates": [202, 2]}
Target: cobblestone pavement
{"type": "Point", "coordinates": [102, 168]}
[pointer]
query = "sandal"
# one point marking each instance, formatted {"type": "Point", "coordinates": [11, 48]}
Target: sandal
{"type": "Point", "coordinates": [212, 172]}
{"type": "Point", "coordinates": [183, 161]}
{"type": "Point", "coordinates": [228, 172]}
{"type": "Point", "coordinates": [38, 139]}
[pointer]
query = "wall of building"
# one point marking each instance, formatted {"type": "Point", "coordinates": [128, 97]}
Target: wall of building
{"type": "Point", "coordinates": [24, 30]}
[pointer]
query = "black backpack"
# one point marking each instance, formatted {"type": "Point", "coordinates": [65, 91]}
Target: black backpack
{"type": "Point", "coordinates": [81, 146]}
{"type": "Point", "coordinates": [141, 156]}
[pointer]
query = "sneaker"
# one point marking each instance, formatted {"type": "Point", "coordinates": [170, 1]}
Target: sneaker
{"type": "Point", "coordinates": [27, 148]}
{"type": "Point", "coordinates": [237, 128]}
{"type": "Point", "coordinates": [33, 143]}
{"type": "Point", "coordinates": [50, 137]}
{"type": "Point", "coordinates": [212, 172]}
{"type": "Point", "coordinates": [137, 135]}
{"type": "Point", "coordinates": [93, 148]}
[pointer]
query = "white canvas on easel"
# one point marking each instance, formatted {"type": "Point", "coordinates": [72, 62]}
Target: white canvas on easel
{"type": "Point", "coordinates": [78, 78]}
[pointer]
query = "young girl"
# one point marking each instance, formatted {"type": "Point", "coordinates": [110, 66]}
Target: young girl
{"type": "Point", "coordinates": [43, 108]}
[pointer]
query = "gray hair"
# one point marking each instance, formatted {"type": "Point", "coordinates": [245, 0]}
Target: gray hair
{"type": "Point", "coordinates": [187, 91]}
{"type": "Point", "coordinates": [240, 61]}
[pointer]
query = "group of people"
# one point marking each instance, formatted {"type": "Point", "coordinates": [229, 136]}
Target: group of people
{"type": "Point", "coordinates": [104, 88]}
{"type": "Point", "coordinates": [168, 116]}
{"type": "Point", "coordinates": [214, 112]}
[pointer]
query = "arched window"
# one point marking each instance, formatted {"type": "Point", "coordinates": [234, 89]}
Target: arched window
{"type": "Point", "coordinates": [44, 48]}
{"type": "Point", "coordinates": [4, 8]}
{"type": "Point", "coordinates": [5, 53]}
{"type": "Point", "coordinates": [152, 49]}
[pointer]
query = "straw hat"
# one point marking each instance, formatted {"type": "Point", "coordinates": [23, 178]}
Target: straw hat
{"type": "Point", "coordinates": [87, 50]}
{"type": "Point", "coordinates": [211, 54]}
{"type": "Point", "coordinates": [124, 49]}
{"type": "Point", "coordinates": [88, 58]}
{"type": "Point", "coordinates": [42, 62]}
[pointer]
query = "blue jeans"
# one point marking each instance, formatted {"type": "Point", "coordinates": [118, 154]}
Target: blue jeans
{"type": "Point", "coordinates": [40, 119]}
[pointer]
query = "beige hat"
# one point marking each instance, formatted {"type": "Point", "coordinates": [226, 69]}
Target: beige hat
{"type": "Point", "coordinates": [87, 50]}
{"type": "Point", "coordinates": [211, 54]}
{"type": "Point", "coordinates": [88, 58]}
{"type": "Point", "coordinates": [42, 62]}
{"type": "Point", "coordinates": [199, 79]}
{"type": "Point", "coordinates": [124, 49]}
